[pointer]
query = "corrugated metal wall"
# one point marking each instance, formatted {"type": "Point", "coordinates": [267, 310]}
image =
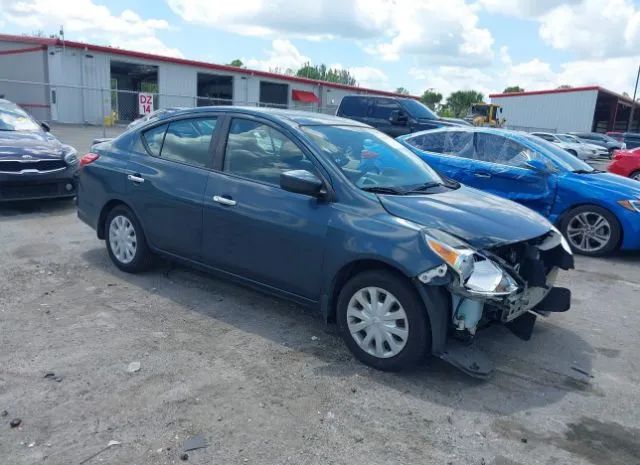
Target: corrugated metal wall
{"type": "Point", "coordinates": [552, 112]}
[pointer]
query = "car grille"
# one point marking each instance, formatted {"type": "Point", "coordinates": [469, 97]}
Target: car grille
{"type": "Point", "coordinates": [42, 166]}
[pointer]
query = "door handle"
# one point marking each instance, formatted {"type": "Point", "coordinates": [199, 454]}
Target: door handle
{"type": "Point", "coordinates": [482, 175]}
{"type": "Point", "coordinates": [135, 178]}
{"type": "Point", "coordinates": [224, 200]}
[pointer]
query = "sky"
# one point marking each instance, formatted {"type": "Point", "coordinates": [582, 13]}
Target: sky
{"type": "Point", "coordinates": [444, 45]}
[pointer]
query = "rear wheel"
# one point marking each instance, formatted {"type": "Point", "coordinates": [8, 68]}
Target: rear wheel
{"type": "Point", "coordinates": [383, 321]}
{"type": "Point", "coordinates": [635, 175]}
{"type": "Point", "coordinates": [591, 230]}
{"type": "Point", "coordinates": [126, 244]}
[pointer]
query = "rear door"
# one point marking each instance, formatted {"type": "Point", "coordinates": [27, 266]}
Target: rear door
{"type": "Point", "coordinates": [167, 176]}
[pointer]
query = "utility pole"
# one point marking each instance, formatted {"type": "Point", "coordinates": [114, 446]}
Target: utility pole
{"type": "Point", "coordinates": [633, 103]}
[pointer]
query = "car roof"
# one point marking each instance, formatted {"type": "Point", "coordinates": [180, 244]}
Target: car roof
{"type": "Point", "coordinates": [479, 129]}
{"type": "Point", "coordinates": [291, 117]}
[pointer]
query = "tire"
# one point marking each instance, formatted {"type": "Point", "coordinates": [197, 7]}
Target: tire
{"type": "Point", "coordinates": [585, 219]}
{"type": "Point", "coordinates": [414, 322]}
{"type": "Point", "coordinates": [635, 175]}
{"type": "Point", "coordinates": [126, 225]}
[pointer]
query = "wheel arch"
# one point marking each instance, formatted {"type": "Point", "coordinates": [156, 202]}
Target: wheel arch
{"type": "Point", "coordinates": [106, 208]}
{"type": "Point", "coordinates": [435, 299]}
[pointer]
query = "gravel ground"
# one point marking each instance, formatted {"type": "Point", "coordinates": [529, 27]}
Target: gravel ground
{"type": "Point", "coordinates": [264, 381]}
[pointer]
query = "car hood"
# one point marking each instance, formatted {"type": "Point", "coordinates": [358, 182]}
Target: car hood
{"type": "Point", "coordinates": [37, 145]}
{"type": "Point", "coordinates": [610, 186]}
{"type": "Point", "coordinates": [480, 219]}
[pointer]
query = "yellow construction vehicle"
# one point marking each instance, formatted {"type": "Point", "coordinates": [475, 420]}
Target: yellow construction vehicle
{"type": "Point", "coordinates": [485, 114]}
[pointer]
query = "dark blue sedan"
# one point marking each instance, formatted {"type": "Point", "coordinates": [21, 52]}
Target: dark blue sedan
{"type": "Point", "coordinates": [597, 212]}
{"type": "Point", "coordinates": [330, 213]}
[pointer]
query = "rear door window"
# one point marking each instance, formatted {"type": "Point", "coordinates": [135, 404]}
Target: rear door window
{"type": "Point", "coordinates": [354, 107]}
{"type": "Point", "coordinates": [187, 141]}
{"type": "Point", "coordinates": [433, 142]}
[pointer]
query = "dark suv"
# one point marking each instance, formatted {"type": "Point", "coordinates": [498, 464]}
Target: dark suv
{"type": "Point", "coordinates": [395, 116]}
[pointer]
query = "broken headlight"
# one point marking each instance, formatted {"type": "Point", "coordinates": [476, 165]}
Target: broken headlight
{"type": "Point", "coordinates": [477, 274]}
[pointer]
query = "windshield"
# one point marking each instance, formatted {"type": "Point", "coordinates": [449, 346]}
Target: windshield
{"type": "Point", "coordinates": [417, 109]}
{"type": "Point", "coordinates": [559, 156]}
{"type": "Point", "coordinates": [372, 160]}
{"type": "Point", "coordinates": [12, 118]}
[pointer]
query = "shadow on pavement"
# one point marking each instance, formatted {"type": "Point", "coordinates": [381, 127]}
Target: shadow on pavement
{"type": "Point", "coordinates": [528, 374]}
{"type": "Point", "coordinates": [43, 206]}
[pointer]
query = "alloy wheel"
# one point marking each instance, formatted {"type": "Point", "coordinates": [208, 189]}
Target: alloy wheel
{"type": "Point", "coordinates": [122, 239]}
{"type": "Point", "coordinates": [589, 232]}
{"type": "Point", "coordinates": [377, 322]}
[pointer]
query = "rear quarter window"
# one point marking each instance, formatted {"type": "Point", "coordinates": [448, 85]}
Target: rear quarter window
{"type": "Point", "coordinates": [153, 138]}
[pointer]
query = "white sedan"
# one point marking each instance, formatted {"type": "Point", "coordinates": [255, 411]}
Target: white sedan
{"type": "Point", "coordinates": [582, 151]}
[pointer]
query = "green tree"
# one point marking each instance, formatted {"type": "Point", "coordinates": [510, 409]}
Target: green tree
{"type": "Point", "coordinates": [402, 90]}
{"type": "Point", "coordinates": [431, 98]}
{"type": "Point", "coordinates": [322, 73]}
{"type": "Point", "coordinates": [237, 62]}
{"type": "Point", "coordinates": [459, 102]}
{"type": "Point", "coordinates": [512, 90]}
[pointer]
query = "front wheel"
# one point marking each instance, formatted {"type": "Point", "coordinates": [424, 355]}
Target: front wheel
{"type": "Point", "coordinates": [591, 230]}
{"type": "Point", "coordinates": [635, 175]}
{"type": "Point", "coordinates": [382, 320]}
{"type": "Point", "coordinates": [125, 241]}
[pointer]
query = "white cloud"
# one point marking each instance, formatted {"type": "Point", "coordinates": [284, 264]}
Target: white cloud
{"type": "Point", "coordinates": [90, 20]}
{"type": "Point", "coordinates": [282, 56]}
{"type": "Point", "coordinates": [367, 76]}
{"type": "Point", "coordinates": [523, 8]}
{"type": "Point", "coordinates": [441, 32]}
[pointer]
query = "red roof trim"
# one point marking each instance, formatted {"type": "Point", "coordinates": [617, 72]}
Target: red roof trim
{"type": "Point", "coordinates": [562, 91]}
{"type": "Point", "coordinates": [184, 61]}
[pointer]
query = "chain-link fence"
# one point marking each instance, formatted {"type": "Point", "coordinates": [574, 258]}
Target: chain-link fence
{"type": "Point", "coordinates": [104, 112]}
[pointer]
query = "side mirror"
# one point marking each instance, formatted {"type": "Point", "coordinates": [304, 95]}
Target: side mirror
{"type": "Point", "coordinates": [398, 117]}
{"type": "Point", "coordinates": [45, 126]}
{"type": "Point", "coordinates": [537, 165]}
{"type": "Point", "coordinates": [301, 182]}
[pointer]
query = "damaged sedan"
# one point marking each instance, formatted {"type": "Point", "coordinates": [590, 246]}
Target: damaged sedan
{"type": "Point", "coordinates": [332, 214]}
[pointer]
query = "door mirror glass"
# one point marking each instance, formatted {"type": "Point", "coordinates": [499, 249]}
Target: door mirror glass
{"type": "Point", "coordinates": [45, 126]}
{"type": "Point", "coordinates": [398, 117]}
{"type": "Point", "coordinates": [301, 182]}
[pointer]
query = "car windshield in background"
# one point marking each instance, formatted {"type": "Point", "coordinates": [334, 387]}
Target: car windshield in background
{"type": "Point", "coordinates": [564, 138]}
{"type": "Point", "coordinates": [560, 156]}
{"type": "Point", "coordinates": [14, 119]}
{"type": "Point", "coordinates": [371, 160]}
{"type": "Point", "coordinates": [417, 109]}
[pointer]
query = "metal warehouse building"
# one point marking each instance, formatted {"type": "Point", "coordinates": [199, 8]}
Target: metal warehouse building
{"type": "Point", "coordinates": [72, 82]}
{"type": "Point", "coordinates": [580, 109]}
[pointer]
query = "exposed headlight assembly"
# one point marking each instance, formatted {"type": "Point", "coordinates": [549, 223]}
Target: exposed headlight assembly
{"type": "Point", "coordinates": [477, 274]}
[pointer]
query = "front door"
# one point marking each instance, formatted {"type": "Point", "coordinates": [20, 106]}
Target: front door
{"type": "Point", "coordinates": [167, 176]}
{"type": "Point", "coordinates": [252, 227]}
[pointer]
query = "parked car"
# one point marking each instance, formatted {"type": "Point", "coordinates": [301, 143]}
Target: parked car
{"type": "Point", "coordinates": [631, 140]}
{"type": "Point", "coordinates": [152, 115]}
{"type": "Point", "coordinates": [626, 163]}
{"type": "Point", "coordinates": [406, 261]}
{"type": "Point", "coordinates": [394, 116]}
{"type": "Point", "coordinates": [602, 140]}
{"type": "Point", "coordinates": [597, 150]}
{"type": "Point", "coordinates": [574, 148]}
{"type": "Point", "coordinates": [597, 212]}
{"type": "Point", "coordinates": [33, 163]}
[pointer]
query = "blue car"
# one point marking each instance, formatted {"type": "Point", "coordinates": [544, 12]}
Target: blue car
{"type": "Point", "coordinates": [330, 213]}
{"type": "Point", "coordinates": [597, 212]}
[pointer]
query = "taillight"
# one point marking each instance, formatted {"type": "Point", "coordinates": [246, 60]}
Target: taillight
{"type": "Point", "coordinates": [88, 158]}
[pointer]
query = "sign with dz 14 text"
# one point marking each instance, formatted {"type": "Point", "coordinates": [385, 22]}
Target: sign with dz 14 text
{"type": "Point", "coordinates": [145, 103]}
